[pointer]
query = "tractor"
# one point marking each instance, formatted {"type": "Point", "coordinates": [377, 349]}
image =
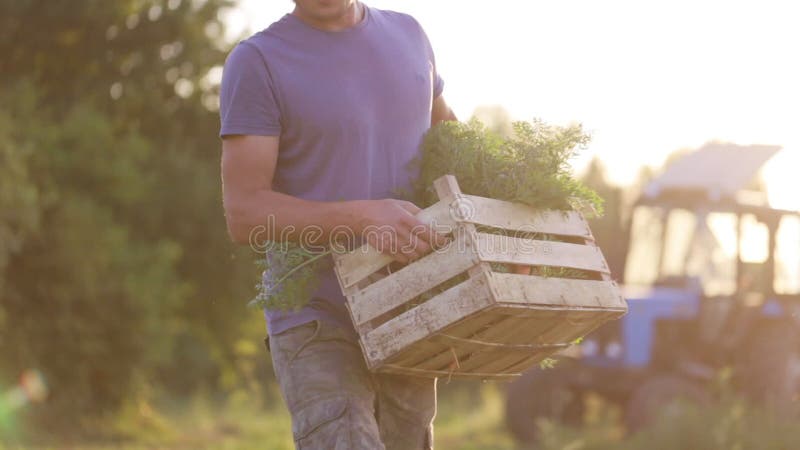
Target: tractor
{"type": "Point", "coordinates": [712, 280]}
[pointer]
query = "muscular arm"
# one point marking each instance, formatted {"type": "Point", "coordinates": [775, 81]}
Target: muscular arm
{"type": "Point", "coordinates": [248, 167]}
{"type": "Point", "coordinates": [440, 111]}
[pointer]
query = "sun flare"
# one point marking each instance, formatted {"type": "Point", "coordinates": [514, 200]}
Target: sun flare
{"type": "Point", "coordinates": [782, 181]}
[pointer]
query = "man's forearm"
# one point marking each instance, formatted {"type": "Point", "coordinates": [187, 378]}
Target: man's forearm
{"type": "Point", "coordinates": [274, 216]}
{"type": "Point", "coordinates": [388, 225]}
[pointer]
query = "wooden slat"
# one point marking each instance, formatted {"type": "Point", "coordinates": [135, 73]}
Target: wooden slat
{"type": "Point", "coordinates": [449, 353]}
{"type": "Point", "coordinates": [511, 250]}
{"type": "Point", "coordinates": [447, 187]}
{"type": "Point", "coordinates": [447, 357]}
{"type": "Point", "coordinates": [439, 355]}
{"type": "Point", "coordinates": [516, 216]}
{"type": "Point", "coordinates": [424, 320]}
{"type": "Point", "coordinates": [497, 361]}
{"type": "Point", "coordinates": [501, 345]}
{"type": "Point", "coordinates": [521, 366]}
{"type": "Point", "coordinates": [523, 330]}
{"type": "Point", "coordinates": [535, 290]}
{"type": "Point", "coordinates": [555, 331]}
{"type": "Point", "coordinates": [503, 363]}
{"type": "Point", "coordinates": [495, 334]}
{"type": "Point", "coordinates": [562, 331]}
{"type": "Point", "coordinates": [355, 266]}
{"type": "Point", "coordinates": [556, 311]}
{"type": "Point", "coordinates": [567, 325]}
{"type": "Point", "coordinates": [575, 326]}
{"type": "Point", "coordinates": [411, 281]}
{"type": "Point", "coordinates": [446, 374]}
{"type": "Point", "coordinates": [538, 322]}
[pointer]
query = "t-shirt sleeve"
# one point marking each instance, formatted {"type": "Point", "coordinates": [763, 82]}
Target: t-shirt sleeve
{"type": "Point", "coordinates": [248, 104]}
{"type": "Point", "coordinates": [438, 82]}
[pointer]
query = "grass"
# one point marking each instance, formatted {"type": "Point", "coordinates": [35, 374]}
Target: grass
{"type": "Point", "coordinates": [466, 420]}
{"type": "Point", "coordinates": [470, 417]}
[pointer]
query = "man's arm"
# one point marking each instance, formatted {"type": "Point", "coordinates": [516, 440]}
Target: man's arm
{"type": "Point", "coordinates": [248, 167]}
{"type": "Point", "coordinates": [441, 111]}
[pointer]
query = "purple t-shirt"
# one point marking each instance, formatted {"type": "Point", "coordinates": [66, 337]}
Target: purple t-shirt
{"type": "Point", "coordinates": [350, 108]}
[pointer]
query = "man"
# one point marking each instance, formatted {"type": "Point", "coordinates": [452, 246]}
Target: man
{"type": "Point", "coordinates": [321, 114]}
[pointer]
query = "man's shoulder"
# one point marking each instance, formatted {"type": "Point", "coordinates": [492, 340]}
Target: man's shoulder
{"type": "Point", "coordinates": [262, 43]}
{"type": "Point", "coordinates": [274, 33]}
{"type": "Point", "coordinates": [396, 17]}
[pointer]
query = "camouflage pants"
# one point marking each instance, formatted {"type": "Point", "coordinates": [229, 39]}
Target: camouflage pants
{"type": "Point", "coordinates": [337, 404]}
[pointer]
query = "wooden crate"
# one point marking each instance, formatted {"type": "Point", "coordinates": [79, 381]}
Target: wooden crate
{"type": "Point", "coordinates": [486, 324]}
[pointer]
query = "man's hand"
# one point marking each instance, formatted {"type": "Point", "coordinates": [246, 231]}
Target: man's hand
{"type": "Point", "coordinates": [390, 226]}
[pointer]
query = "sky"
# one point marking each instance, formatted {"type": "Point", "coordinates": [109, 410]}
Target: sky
{"type": "Point", "coordinates": [645, 78]}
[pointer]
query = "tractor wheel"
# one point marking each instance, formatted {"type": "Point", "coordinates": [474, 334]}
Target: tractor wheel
{"type": "Point", "coordinates": [662, 395]}
{"type": "Point", "coordinates": [769, 370]}
{"type": "Point", "coordinates": [542, 394]}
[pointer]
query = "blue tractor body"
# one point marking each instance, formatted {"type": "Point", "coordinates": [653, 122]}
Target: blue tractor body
{"type": "Point", "coordinates": [636, 330]}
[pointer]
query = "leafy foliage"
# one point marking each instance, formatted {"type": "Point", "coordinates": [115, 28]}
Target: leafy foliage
{"type": "Point", "coordinates": [530, 167]}
{"type": "Point", "coordinates": [114, 268]}
{"type": "Point", "coordinates": [19, 215]}
{"type": "Point", "coordinates": [290, 276]}
{"type": "Point", "coordinates": [87, 296]}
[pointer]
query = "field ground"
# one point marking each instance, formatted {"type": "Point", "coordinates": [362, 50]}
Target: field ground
{"type": "Point", "coordinates": [458, 426]}
{"type": "Point", "coordinates": [470, 418]}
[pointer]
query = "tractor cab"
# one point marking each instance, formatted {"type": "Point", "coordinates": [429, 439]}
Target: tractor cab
{"type": "Point", "coordinates": [712, 279]}
{"type": "Point", "coordinates": [705, 250]}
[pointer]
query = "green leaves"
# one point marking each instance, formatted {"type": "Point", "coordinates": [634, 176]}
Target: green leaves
{"type": "Point", "coordinates": [531, 166]}
{"type": "Point", "coordinates": [111, 224]}
{"type": "Point", "coordinates": [290, 277]}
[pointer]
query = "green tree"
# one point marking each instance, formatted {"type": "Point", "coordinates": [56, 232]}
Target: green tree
{"type": "Point", "coordinates": [114, 263]}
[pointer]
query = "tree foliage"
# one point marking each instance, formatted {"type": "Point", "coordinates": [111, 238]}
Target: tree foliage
{"type": "Point", "coordinates": [115, 269]}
